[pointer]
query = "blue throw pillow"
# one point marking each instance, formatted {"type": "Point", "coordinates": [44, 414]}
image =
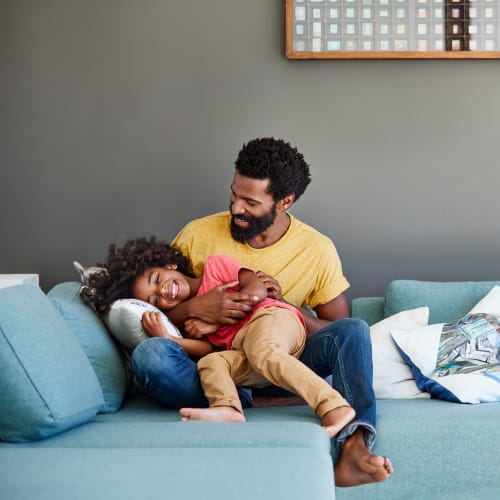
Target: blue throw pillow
{"type": "Point", "coordinates": [47, 384]}
{"type": "Point", "coordinates": [96, 342]}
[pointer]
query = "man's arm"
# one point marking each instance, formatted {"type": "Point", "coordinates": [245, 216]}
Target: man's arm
{"type": "Point", "coordinates": [249, 284]}
{"type": "Point", "coordinates": [326, 313]}
{"type": "Point", "coordinates": [216, 306]}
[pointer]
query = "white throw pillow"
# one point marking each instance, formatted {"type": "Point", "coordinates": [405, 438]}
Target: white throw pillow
{"type": "Point", "coordinates": [392, 377]}
{"type": "Point", "coordinates": [124, 322]}
{"type": "Point", "coordinates": [458, 361]}
{"type": "Point", "coordinates": [490, 304]}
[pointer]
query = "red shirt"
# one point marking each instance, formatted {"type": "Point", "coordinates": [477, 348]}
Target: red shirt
{"type": "Point", "coordinates": [220, 269]}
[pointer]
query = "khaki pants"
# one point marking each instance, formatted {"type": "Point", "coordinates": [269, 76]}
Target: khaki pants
{"type": "Point", "coordinates": [265, 351]}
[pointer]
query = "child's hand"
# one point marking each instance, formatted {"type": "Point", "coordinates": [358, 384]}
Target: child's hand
{"type": "Point", "coordinates": [272, 286]}
{"type": "Point", "coordinates": [152, 323]}
{"type": "Point", "coordinates": [196, 328]}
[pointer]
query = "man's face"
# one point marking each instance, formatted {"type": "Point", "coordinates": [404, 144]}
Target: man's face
{"type": "Point", "coordinates": [252, 208]}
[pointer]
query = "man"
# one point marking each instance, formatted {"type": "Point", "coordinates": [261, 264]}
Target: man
{"type": "Point", "coordinates": [298, 265]}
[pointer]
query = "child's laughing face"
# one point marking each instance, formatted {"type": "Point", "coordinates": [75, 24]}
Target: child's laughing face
{"type": "Point", "coordinates": [163, 287]}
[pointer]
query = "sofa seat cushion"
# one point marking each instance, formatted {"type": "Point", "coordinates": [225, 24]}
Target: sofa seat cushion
{"type": "Point", "coordinates": [144, 451]}
{"type": "Point", "coordinates": [47, 384]}
{"type": "Point", "coordinates": [187, 434]}
{"type": "Point", "coordinates": [142, 422]}
{"type": "Point", "coordinates": [159, 473]}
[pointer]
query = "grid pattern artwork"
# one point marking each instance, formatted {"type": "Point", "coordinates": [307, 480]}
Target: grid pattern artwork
{"type": "Point", "coordinates": [395, 25]}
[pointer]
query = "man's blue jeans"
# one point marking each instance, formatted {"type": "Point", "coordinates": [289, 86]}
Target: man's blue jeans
{"type": "Point", "coordinates": [341, 349]}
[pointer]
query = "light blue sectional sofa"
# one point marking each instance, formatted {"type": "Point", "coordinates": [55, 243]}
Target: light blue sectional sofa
{"type": "Point", "coordinates": [70, 430]}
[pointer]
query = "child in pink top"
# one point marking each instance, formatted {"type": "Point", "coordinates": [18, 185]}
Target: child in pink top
{"type": "Point", "coordinates": [220, 269]}
{"type": "Point", "coordinates": [262, 348]}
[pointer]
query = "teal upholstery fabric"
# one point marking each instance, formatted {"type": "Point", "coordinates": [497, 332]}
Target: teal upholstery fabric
{"type": "Point", "coordinates": [173, 473]}
{"type": "Point", "coordinates": [47, 384]}
{"type": "Point", "coordinates": [265, 434]}
{"type": "Point", "coordinates": [143, 436]}
{"type": "Point", "coordinates": [96, 342]}
{"type": "Point", "coordinates": [447, 301]}
{"type": "Point", "coordinates": [371, 309]}
{"type": "Point", "coordinates": [440, 451]}
{"type": "Point", "coordinates": [145, 452]}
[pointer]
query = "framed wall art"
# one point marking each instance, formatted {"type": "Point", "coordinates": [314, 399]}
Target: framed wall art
{"type": "Point", "coordinates": [393, 29]}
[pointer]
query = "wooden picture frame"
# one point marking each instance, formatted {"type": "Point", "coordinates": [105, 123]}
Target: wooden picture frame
{"type": "Point", "coordinates": [393, 29]}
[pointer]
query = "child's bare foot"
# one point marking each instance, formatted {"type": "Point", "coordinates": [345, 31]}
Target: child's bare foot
{"type": "Point", "coordinates": [212, 414]}
{"type": "Point", "coordinates": [358, 465]}
{"type": "Point", "coordinates": [335, 420]}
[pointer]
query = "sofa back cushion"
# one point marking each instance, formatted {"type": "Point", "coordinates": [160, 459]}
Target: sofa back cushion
{"type": "Point", "coordinates": [369, 309]}
{"type": "Point", "coordinates": [47, 384]}
{"type": "Point", "coordinates": [96, 342]}
{"type": "Point", "coordinates": [447, 301]}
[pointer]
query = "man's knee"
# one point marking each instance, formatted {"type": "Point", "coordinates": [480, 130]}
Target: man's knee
{"type": "Point", "coordinates": [357, 327]}
{"type": "Point", "coordinates": [346, 334]}
{"type": "Point", "coordinates": [349, 329]}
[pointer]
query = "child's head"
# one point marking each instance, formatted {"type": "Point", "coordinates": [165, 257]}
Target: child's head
{"type": "Point", "coordinates": [163, 287]}
{"type": "Point", "coordinates": [124, 264]}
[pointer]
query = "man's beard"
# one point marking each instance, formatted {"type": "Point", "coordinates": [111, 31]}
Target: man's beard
{"type": "Point", "coordinates": [257, 225]}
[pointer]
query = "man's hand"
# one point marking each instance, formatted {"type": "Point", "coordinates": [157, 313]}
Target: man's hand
{"type": "Point", "coordinates": [196, 328]}
{"type": "Point", "coordinates": [272, 286]}
{"type": "Point", "coordinates": [219, 306]}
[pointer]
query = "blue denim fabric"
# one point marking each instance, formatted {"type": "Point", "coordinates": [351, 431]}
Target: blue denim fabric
{"type": "Point", "coordinates": [341, 349]}
{"type": "Point", "coordinates": [164, 370]}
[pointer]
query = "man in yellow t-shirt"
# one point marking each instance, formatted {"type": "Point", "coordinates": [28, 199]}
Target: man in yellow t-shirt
{"type": "Point", "coordinates": [288, 260]}
{"type": "Point", "coordinates": [299, 265]}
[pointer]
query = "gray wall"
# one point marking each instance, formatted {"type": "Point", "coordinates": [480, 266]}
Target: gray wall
{"type": "Point", "coordinates": [123, 118]}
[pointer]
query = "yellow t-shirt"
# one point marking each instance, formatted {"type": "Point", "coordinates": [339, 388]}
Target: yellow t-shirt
{"type": "Point", "coordinates": [304, 261]}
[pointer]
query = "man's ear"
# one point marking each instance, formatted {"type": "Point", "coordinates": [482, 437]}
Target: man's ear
{"type": "Point", "coordinates": [171, 266]}
{"type": "Point", "coordinates": [286, 202]}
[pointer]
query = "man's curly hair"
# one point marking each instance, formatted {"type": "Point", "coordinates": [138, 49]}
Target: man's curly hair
{"type": "Point", "coordinates": [123, 264]}
{"type": "Point", "coordinates": [278, 161]}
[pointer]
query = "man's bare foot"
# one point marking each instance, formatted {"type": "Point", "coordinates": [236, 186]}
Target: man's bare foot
{"type": "Point", "coordinates": [335, 420]}
{"type": "Point", "coordinates": [213, 414]}
{"type": "Point", "coordinates": [357, 465]}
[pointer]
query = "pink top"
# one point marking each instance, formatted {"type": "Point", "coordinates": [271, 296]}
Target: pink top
{"type": "Point", "coordinates": [220, 269]}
